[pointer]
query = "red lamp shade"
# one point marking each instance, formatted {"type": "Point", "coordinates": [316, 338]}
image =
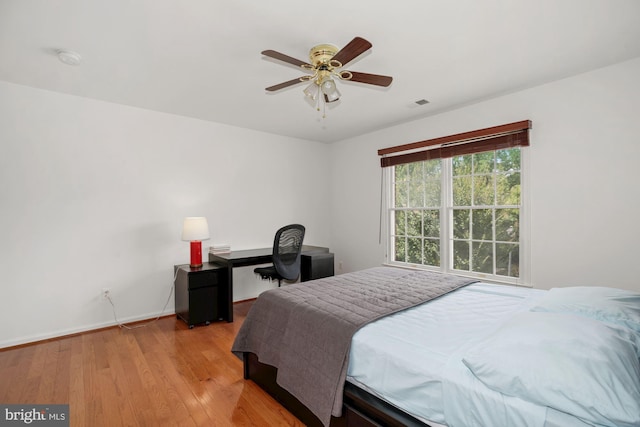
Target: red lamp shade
{"type": "Point", "coordinates": [194, 230]}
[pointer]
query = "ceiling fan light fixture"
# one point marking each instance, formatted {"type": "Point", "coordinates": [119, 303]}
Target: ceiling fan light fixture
{"type": "Point", "coordinates": [328, 86]}
{"type": "Point", "coordinates": [329, 100]}
{"type": "Point", "coordinates": [312, 91]}
{"type": "Point", "coordinates": [332, 96]}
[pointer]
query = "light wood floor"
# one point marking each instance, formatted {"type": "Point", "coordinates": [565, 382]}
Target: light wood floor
{"type": "Point", "coordinates": [160, 375]}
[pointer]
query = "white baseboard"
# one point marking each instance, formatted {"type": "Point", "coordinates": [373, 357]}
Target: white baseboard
{"type": "Point", "coordinates": [72, 331]}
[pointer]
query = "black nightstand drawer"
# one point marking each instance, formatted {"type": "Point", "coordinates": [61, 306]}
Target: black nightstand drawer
{"type": "Point", "coordinates": [203, 279]}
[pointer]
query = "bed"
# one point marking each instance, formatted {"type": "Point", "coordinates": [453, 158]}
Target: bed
{"type": "Point", "coordinates": [466, 356]}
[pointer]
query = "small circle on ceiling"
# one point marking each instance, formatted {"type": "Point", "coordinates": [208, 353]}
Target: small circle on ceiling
{"type": "Point", "coordinates": [69, 57]}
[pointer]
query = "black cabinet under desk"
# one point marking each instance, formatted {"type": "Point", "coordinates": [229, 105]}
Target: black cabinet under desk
{"type": "Point", "coordinates": [316, 265]}
{"type": "Point", "coordinates": [202, 294]}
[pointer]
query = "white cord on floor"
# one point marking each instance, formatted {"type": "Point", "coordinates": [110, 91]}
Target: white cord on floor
{"type": "Point", "coordinates": [142, 325]}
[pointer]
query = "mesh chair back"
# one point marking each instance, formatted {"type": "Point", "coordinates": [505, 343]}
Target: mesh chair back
{"type": "Point", "coordinates": [287, 246]}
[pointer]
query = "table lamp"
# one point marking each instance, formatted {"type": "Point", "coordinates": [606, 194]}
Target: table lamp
{"type": "Point", "coordinates": [194, 230]}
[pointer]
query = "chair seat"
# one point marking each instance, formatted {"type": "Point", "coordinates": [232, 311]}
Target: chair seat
{"type": "Point", "coordinates": [268, 273]}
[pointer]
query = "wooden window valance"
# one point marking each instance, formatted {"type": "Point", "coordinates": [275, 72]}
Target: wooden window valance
{"type": "Point", "coordinates": [493, 138]}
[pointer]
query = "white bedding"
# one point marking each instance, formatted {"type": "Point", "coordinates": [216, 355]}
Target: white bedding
{"type": "Point", "coordinates": [412, 359]}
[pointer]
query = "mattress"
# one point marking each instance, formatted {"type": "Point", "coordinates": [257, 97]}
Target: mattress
{"type": "Point", "coordinates": [410, 359]}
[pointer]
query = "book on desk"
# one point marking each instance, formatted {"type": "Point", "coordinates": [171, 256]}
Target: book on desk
{"type": "Point", "coordinates": [220, 249]}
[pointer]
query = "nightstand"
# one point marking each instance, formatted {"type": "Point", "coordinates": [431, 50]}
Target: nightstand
{"type": "Point", "coordinates": [202, 294]}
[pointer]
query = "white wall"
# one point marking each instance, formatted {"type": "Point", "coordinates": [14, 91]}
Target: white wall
{"type": "Point", "coordinates": [93, 196]}
{"type": "Point", "coordinates": [585, 170]}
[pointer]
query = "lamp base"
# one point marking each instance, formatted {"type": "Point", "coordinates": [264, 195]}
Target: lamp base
{"type": "Point", "coordinates": [196, 254]}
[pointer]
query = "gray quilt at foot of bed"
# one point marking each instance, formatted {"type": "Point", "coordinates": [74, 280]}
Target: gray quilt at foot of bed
{"type": "Point", "coordinates": [305, 330]}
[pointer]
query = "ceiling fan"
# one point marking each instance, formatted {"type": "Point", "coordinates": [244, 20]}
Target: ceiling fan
{"type": "Point", "coordinates": [325, 64]}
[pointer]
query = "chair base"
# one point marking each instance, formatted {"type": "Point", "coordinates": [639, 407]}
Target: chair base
{"type": "Point", "coordinates": [268, 273]}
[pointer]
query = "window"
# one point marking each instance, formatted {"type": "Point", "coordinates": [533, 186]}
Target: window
{"type": "Point", "coordinates": [461, 214]}
{"type": "Point", "coordinates": [416, 213]}
{"type": "Point", "coordinates": [485, 212]}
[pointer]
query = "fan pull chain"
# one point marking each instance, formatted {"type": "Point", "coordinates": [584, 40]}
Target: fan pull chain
{"type": "Point", "coordinates": [324, 109]}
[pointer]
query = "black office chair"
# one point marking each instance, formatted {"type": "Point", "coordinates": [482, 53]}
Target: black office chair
{"type": "Point", "coordinates": [287, 246]}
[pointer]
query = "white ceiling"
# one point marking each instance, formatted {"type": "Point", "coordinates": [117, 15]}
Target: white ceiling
{"type": "Point", "coordinates": [201, 58]}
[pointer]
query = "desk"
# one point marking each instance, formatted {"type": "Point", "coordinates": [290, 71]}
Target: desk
{"type": "Point", "coordinates": [263, 256]}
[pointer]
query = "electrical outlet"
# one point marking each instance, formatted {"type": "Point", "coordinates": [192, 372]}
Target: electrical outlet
{"type": "Point", "coordinates": [106, 293]}
{"type": "Point", "coordinates": [340, 266]}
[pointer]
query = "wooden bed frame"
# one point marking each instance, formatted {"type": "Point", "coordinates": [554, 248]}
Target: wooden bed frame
{"type": "Point", "coordinates": [360, 408]}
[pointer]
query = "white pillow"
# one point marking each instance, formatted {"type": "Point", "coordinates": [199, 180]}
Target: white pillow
{"type": "Point", "coordinates": [571, 363]}
{"type": "Point", "coordinates": [609, 305]}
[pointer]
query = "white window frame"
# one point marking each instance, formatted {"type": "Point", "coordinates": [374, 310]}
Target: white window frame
{"type": "Point", "coordinates": [446, 229]}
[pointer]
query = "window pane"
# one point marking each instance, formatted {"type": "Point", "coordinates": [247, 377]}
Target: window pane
{"type": "Point", "coordinates": [461, 255]}
{"type": "Point", "coordinates": [483, 190]}
{"type": "Point", "coordinates": [461, 165]}
{"type": "Point", "coordinates": [401, 228]}
{"type": "Point", "coordinates": [401, 195]}
{"type": "Point", "coordinates": [508, 160]}
{"type": "Point", "coordinates": [507, 221]}
{"type": "Point", "coordinates": [461, 224]}
{"type": "Point", "coordinates": [483, 162]}
{"type": "Point", "coordinates": [433, 168]}
{"type": "Point", "coordinates": [508, 259]}
{"type": "Point", "coordinates": [414, 250]}
{"type": "Point", "coordinates": [399, 249]}
{"type": "Point", "coordinates": [415, 172]}
{"type": "Point", "coordinates": [462, 191]}
{"type": "Point", "coordinates": [432, 252]}
{"type": "Point", "coordinates": [431, 224]}
{"type": "Point", "coordinates": [401, 172]}
{"type": "Point", "coordinates": [432, 194]}
{"type": "Point", "coordinates": [482, 221]}
{"type": "Point", "coordinates": [508, 189]}
{"type": "Point", "coordinates": [482, 257]}
{"type": "Point", "coordinates": [416, 194]}
{"type": "Point", "coordinates": [433, 184]}
{"type": "Point", "coordinates": [414, 223]}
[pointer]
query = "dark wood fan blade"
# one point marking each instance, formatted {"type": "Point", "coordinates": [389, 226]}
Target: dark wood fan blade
{"type": "Point", "coordinates": [352, 50]}
{"type": "Point", "coordinates": [285, 58]}
{"type": "Point", "coordinates": [283, 85]}
{"type": "Point", "coordinates": [372, 79]}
